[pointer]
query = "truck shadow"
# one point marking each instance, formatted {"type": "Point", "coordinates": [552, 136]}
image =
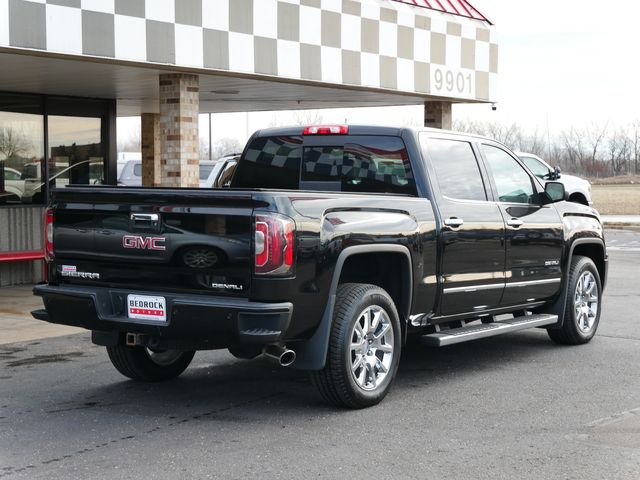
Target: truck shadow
{"type": "Point", "coordinates": [219, 387]}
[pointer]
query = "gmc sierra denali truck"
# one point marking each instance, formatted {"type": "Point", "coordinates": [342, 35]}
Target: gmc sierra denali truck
{"type": "Point", "coordinates": [332, 246]}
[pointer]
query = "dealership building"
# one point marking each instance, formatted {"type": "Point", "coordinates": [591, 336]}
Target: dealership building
{"type": "Point", "coordinates": [69, 68]}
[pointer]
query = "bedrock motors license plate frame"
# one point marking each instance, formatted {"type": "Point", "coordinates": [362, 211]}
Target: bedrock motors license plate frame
{"type": "Point", "coordinates": [145, 307]}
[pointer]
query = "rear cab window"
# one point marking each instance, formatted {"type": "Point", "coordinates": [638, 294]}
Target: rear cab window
{"type": "Point", "coordinates": [344, 163]}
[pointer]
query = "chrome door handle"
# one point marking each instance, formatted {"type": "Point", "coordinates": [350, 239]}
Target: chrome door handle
{"type": "Point", "coordinates": [515, 223]}
{"type": "Point", "coordinates": [144, 217]}
{"type": "Point", "coordinates": [453, 222]}
{"type": "Point", "coordinates": [145, 221]}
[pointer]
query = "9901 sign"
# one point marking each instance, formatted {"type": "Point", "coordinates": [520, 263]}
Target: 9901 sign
{"type": "Point", "coordinates": [453, 82]}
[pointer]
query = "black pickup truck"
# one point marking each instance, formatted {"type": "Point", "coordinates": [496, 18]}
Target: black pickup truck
{"type": "Point", "coordinates": [333, 245]}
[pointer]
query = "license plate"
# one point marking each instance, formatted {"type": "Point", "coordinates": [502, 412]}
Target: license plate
{"type": "Point", "coordinates": [142, 307]}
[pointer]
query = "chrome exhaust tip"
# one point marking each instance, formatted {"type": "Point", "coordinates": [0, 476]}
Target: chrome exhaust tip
{"type": "Point", "coordinates": [279, 354]}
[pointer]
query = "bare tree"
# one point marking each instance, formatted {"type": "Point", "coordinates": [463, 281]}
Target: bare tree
{"type": "Point", "coordinates": [13, 143]}
{"type": "Point", "coordinates": [204, 149]}
{"type": "Point", "coordinates": [507, 134]}
{"type": "Point", "coordinates": [596, 150]}
{"type": "Point", "coordinates": [308, 117]}
{"type": "Point", "coordinates": [635, 146]}
{"type": "Point", "coordinates": [596, 135]}
{"type": "Point", "coordinates": [226, 146]}
{"type": "Point", "coordinates": [131, 142]}
{"type": "Point", "coordinates": [531, 142]}
{"type": "Point", "coordinates": [619, 145]}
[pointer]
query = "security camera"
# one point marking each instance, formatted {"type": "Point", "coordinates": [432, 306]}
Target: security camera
{"type": "Point", "coordinates": [494, 107]}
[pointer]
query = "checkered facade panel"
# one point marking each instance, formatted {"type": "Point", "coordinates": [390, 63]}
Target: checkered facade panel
{"type": "Point", "coordinates": [370, 43]}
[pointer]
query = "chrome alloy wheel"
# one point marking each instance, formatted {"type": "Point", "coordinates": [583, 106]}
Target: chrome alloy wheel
{"type": "Point", "coordinates": [371, 349]}
{"type": "Point", "coordinates": [200, 258]}
{"type": "Point", "coordinates": [585, 301]}
{"type": "Point", "coordinates": [164, 357]}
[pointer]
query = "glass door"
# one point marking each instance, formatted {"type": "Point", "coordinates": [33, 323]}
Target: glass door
{"type": "Point", "coordinates": [76, 152]}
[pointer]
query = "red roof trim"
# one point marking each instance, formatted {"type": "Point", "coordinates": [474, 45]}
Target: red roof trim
{"type": "Point", "coordinates": [454, 7]}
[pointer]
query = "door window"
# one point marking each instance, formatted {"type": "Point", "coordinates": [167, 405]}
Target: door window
{"type": "Point", "coordinates": [538, 168]}
{"type": "Point", "coordinates": [224, 180]}
{"type": "Point", "coordinates": [512, 182]}
{"type": "Point", "coordinates": [457, 170]}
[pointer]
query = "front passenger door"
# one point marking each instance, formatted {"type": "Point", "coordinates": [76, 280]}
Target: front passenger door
{"type": "Point", "coordinates": [534, 234]}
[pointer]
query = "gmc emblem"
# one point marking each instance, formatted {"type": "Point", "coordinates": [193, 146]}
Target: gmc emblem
{"type": "Point", "coordinates": [143, 243]}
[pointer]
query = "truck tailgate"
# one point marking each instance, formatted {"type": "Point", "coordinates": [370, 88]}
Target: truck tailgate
{"type": "Point", "coordinates": [196, 241]}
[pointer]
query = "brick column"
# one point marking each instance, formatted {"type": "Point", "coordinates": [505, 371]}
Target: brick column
{"type": "Point", "coordinates": [179, 142]}
{"type": "Point", "coordinates": [438, 115]}
{"type": "Point", "coordinates": [150, 142]}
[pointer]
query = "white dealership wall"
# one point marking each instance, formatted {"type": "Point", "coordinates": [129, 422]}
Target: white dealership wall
{"type": "Point", "coordinates": [373, 44]}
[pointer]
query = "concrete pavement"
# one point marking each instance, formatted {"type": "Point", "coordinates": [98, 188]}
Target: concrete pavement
{"type": "Point", "coordinates": [16, 322]}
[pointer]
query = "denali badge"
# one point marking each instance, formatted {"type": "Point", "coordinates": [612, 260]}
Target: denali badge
{"type": "Point", "coordinates": [72, 272]}
{"type": "Point", "coordinates": [551, 263]}
{"type": "Point", "coordinates": [143, 243]}
{"type": "Point", "coordinates": [227, 286]}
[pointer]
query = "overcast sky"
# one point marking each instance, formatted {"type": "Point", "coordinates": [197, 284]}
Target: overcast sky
{"type": "Point", "coordinates": [576, 61]}
{"type": "Point", "coordinates": [562, 63]}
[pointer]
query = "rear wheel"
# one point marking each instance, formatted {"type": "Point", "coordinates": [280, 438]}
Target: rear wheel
{"type": "Point", "coordinates": [147, 365]}
{"type": "Point", "coordinates": [364, 348]}
{"type": "Point", "coordinates": [582, 311]}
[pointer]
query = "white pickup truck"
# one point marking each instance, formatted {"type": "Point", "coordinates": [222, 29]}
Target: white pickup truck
{"type": "Point", "coordinates": [578, 189]}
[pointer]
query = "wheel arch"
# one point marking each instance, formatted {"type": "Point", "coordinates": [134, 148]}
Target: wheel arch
{"type": "Point", "coordinates": [312, 353]}
{"type": "Point", "coordinates": [594, 248]}
{"type": "Point", "coordinates": [578, 197]}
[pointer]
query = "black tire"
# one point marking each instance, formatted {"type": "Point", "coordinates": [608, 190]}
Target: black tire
{"type": "Point", "coordinates": [336, 382]}
{"type": "Point", "coordinates": [138, 363]}
{"type": "Point", "coordinates": [572, 332]}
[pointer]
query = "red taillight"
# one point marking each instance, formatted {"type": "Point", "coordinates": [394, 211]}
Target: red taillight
{"type": "Point", "coordinates": [48, 234]}
{"type": "Point", "coordinates": [274, 244]}
{"type": "Point", "coordinates": [326, 130]}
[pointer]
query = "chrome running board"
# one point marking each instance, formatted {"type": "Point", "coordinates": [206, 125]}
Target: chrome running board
{"type": "Point", "coordinates": [474, 332]}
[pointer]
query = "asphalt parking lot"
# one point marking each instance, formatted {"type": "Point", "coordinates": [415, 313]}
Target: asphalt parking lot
{"type": "Point", "coordinates": [514, 407]}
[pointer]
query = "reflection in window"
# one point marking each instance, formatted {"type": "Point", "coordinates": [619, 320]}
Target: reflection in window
{"type": "Point", "coordinates": [75, 151]}
{"type": "Point", "coordinates": [270, 162]}
{"type": "Point", "coordinates": [379, 165]}
{"type": "Point", "coordinates": [512, 181]}
{"type": "Point", "coordinates": [538, 168]}
{"type": "Point", "coordinates": [21, 155]}
{"type": "Point", "coordinates": [456, 169]}
{"type": "Point", "coordinates": [224, 180]}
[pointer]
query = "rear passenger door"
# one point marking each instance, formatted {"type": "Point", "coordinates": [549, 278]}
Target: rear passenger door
{"type": "Point", "coordinates": [471, 240]}
{"type": "Point", "coordinates": [534, 233]}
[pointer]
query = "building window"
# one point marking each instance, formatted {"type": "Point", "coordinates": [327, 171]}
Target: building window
{"type": "Point", "coordinates": [76, 145]}
{"type": "Point", "coordinates": [21, 148]}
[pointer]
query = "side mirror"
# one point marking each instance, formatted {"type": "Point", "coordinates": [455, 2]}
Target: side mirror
{"type": "Point", "coordinates": [557, 173]}
{"type": "Point", "coordinates": [555, 191]}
